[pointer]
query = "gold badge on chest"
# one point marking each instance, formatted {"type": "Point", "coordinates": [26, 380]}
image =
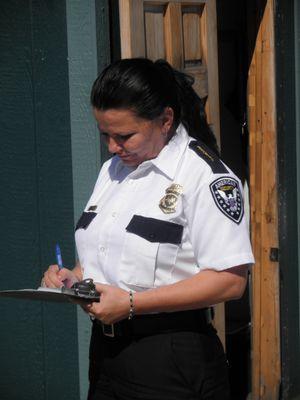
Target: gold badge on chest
{"type": "Point", "coordinates": [168, 203]}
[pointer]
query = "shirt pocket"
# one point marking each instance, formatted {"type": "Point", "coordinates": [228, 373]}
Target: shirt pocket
{"type": "Point", "coordinates": [85, 220]}
{"type": "Point", "coordinates": [144, 236]}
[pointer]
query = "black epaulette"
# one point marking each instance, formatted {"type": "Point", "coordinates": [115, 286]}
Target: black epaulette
{"type": "Point", "coordinates": [209, 157]}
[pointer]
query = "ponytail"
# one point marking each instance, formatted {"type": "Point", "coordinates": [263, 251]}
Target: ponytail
{"type": "Point", "coordinates": [192, 112]}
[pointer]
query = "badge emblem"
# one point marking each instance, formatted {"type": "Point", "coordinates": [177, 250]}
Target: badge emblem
{"type": "Point", "coordinates": [168, 203]}
{"type": "Point", "coordinates": [228, 198]}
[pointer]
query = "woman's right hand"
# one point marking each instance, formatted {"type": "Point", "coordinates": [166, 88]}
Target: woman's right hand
{"type": "Point", "coordinates": [56, 278]}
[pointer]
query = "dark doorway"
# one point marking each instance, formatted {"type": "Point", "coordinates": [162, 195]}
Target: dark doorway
{"type": "Point", "coordinates": [233, 70]}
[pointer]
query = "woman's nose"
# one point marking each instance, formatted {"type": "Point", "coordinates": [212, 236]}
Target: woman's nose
{"type": "Point", "coordinates": [113, 145]}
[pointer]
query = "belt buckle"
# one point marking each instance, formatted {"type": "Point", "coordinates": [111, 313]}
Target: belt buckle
{"type": "Point", "coordinates": [108, 330]}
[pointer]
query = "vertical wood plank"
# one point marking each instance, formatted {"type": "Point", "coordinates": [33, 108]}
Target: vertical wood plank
{"type": "Point", "coordinates": [132, 28]}
{"type": "Point", "coordinates": [191, 37]}
{"type": "Point", "coordinates": [155, 43]}
{"type": "Point", "coordinates": [265, 276]}
{"type": "Point", "coordinates": [219, 322]}
{"type": "Point", "coordinates": [270, 326]}
{"type": "Point", "coordinates": [210, 56]}
{"type": "Point", "coordinates": [125, 28]}
{"type": "Point", "coordinates": [173, 35]}
{"type": "Point", "coordinates": [255, 226]}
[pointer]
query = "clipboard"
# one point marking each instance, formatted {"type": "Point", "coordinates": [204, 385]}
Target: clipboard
{"type": "Point", "coordinates": [82, 291]}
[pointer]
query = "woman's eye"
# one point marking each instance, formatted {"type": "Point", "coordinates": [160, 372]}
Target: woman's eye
{"type": "Point", "coordinates": [124, 137]}
{"type": "Point", "coordinates": [119, 138]}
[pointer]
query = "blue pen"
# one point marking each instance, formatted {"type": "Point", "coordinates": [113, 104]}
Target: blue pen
{"type": "Point", "coordinates": [58, 257]}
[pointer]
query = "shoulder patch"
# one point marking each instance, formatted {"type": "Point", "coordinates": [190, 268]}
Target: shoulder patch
{"type": "Point", "coordinates": [209, 157]}
{"type": "Point", "coordinates": [228, 198]}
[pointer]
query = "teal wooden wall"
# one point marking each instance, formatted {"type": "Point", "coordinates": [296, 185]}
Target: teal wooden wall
{"type": "Point", "coordinates": [50, 156]}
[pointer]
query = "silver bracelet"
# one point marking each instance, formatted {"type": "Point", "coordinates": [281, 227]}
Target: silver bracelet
{"type": "Point", "coordinates": [131, 305]}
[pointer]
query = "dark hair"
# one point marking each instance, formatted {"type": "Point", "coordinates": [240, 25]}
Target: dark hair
{"type": "Point", "coordinates": [147, 88]}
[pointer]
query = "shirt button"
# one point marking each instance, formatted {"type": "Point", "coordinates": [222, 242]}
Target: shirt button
{"type": "Point", "coordinates": [102, 249]}
{"type": "Point", "coordinates": [114, 214]}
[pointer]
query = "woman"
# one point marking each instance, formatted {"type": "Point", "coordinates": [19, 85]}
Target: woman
{"type": "Point", "coordinates": [164, 237]}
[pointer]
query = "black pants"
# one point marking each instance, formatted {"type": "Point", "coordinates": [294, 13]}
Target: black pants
{"type": "Point", "coordinates": [167, 366]}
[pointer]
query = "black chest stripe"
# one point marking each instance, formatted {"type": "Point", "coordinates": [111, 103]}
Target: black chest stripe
{"type": "Point", "coordinates": [85, 220]}
{"type": "Point", "coordinates": [155, 230]}
{"type": "Point", "coordinates": [209, 157]}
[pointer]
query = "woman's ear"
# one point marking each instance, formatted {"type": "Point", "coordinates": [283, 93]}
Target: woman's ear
{"type": "Point", "coordinates": [167, 119]}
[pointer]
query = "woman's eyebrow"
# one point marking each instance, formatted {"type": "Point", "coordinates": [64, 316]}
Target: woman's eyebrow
{"type": "Point", "coordinates": [117, 134]}
{"type": "Point", "coordinates": [125, 133]}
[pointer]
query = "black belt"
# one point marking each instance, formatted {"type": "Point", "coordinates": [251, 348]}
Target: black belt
{"type": "Point", "coordinates": [150, 324]}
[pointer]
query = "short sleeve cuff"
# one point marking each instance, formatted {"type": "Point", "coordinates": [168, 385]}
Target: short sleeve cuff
{"type": "Point", "coordinates": [225, 263]}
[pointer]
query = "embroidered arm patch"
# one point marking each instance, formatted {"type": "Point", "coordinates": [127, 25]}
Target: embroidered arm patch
{"type": "Point", "coordinates": [209, 157]}
{"type": "Point", "coordinates": [228, 198]}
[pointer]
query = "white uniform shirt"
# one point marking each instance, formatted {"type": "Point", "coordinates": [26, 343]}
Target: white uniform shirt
{"type": "Point", "coordinates": [126, 239]}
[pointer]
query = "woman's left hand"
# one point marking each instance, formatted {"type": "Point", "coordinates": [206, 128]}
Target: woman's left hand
{"type": "Point", "coordinates": [113, 306]}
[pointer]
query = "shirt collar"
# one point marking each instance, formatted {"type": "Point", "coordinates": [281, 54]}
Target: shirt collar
{"type": "Point", "coordinates": [168, 158]}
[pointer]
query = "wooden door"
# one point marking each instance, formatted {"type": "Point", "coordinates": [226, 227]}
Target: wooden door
{"type": "Point", "coordinates": [182, 32]}
{"type": "Point", "coordinates": [185, 34]}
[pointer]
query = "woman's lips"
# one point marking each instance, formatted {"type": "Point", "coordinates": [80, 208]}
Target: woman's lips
{"type": "Point", "coordinates": [125, 156]}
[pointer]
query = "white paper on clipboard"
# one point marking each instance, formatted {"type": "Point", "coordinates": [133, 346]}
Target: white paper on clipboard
{"type": "Point", "coordinates": [62, 295]}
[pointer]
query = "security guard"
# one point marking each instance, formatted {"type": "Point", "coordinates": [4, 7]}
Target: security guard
{"type": "Point", "coordinates": [163, 235]}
